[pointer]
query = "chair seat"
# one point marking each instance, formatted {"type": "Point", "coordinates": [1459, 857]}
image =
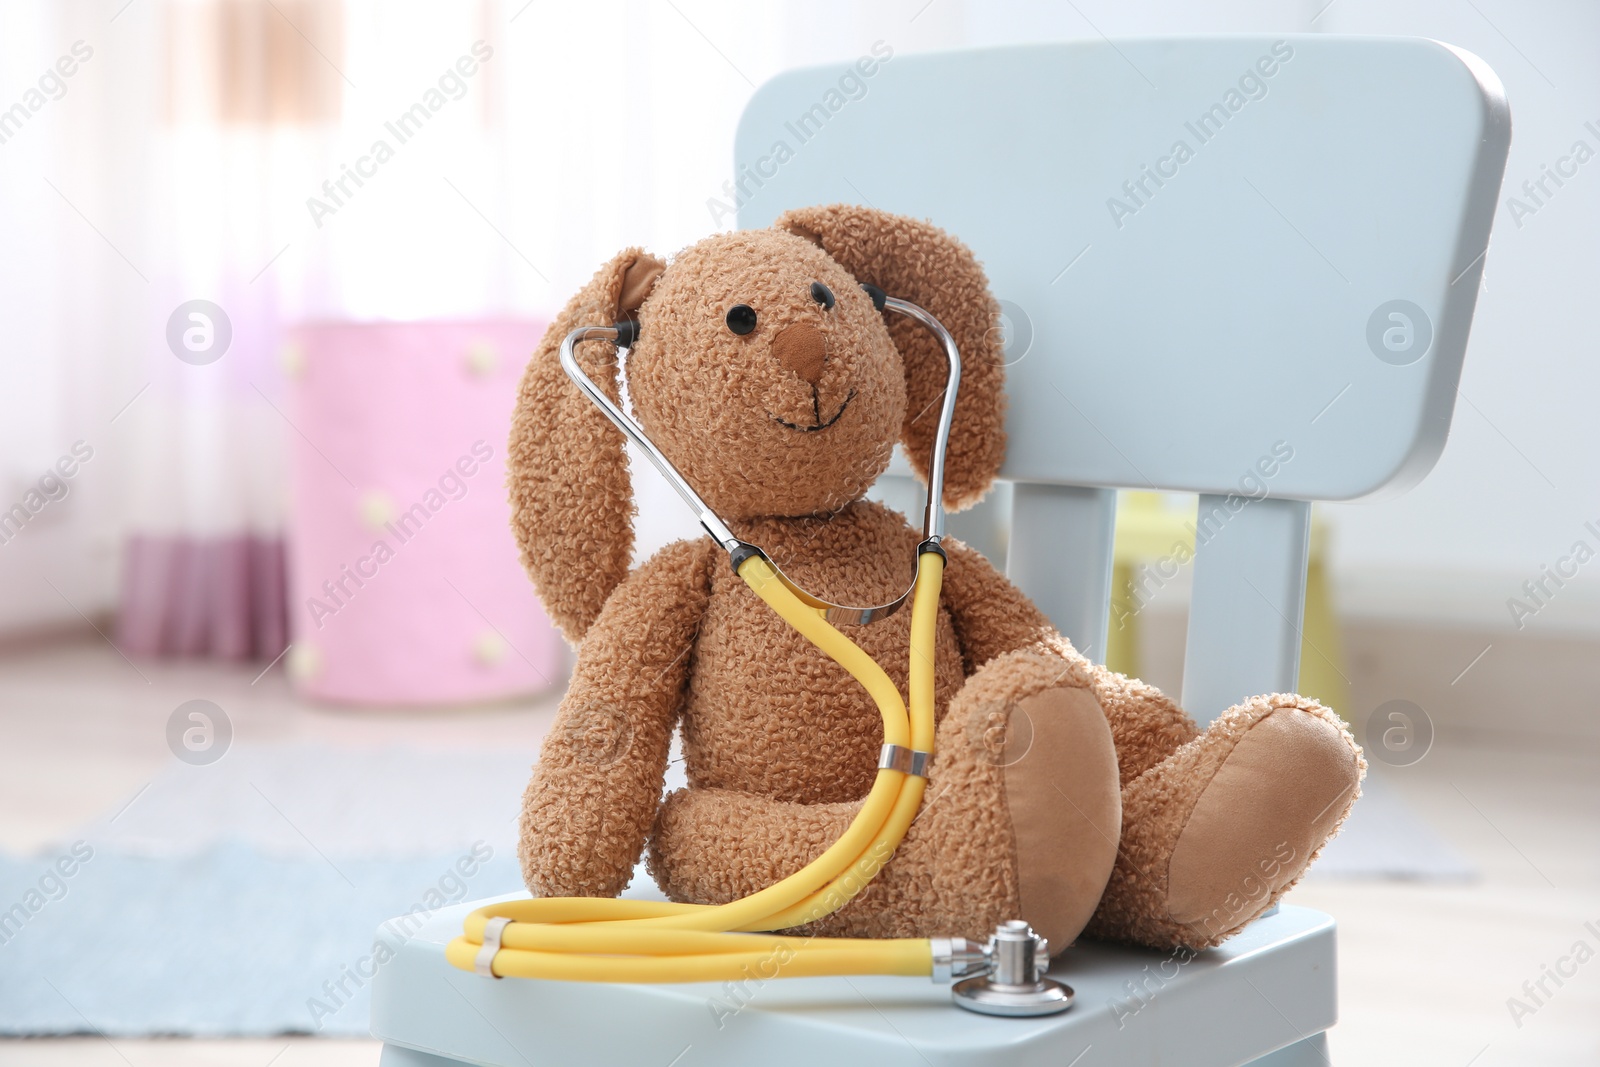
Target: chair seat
{"type": "Point", "coordinates": [1268, 988]}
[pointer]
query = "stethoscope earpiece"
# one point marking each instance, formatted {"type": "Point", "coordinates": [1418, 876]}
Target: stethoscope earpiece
{"type": "Point", "coordinates": [627, 332]}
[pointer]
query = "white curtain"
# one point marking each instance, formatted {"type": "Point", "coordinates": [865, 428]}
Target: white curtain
{"type": "Point", "coordinates": [241, 108]}
{"type": "Point", "coordinates": [226, 151]}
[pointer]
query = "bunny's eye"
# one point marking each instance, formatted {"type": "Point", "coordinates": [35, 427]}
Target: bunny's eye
{"type": "Point", "coordinates": [822, 295]}
{"type": "Point", "coordinates": [741, 318]}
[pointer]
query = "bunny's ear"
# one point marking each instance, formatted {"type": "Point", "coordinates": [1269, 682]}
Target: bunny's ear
{"type": "Point", "coordinates": [566, 468]}
{"type": "Point", "coordinates": [919, 262]}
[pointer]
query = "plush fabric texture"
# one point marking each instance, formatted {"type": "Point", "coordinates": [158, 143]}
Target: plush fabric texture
{"type": "Point", "coordinates": [587, 810]}
{"type": "Point", "coordinates": [1261, 824]}
{"type": "Point", "coordinates": [1060, 791]}
{"type": "Point", "coordinates": [1065, 809]}
{"type": "Point", "coordinates": [571, 498]}
{"type": "Point", "coordinates": [916, 261]}
{"type": "Point", "coordinates": [1288, 763]}
{"type": "Point", "coordinates": [741, 427]}
{"type": "Point", "coordinates": [960, 868]}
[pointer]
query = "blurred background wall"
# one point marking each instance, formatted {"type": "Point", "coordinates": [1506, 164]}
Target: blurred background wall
{"type": "Point", "coordinates": [196, 151]}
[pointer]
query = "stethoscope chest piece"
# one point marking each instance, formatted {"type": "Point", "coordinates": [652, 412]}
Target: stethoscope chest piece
{"type": "Point", "coordinates": [1015, 982]}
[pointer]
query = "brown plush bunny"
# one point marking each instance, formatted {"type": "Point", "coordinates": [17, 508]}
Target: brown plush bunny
{"type": "Point", "coordinates": [767, 376]}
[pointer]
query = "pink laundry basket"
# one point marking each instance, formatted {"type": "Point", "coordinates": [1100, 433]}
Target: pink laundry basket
{"type": "Point", "coordinates": [404, 583]}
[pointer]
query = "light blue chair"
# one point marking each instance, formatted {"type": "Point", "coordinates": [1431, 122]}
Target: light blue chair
{"type": "Point", "coordinates": [1276, 310]}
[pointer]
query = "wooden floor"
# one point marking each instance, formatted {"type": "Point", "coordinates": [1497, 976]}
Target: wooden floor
{"type": "Point", "coordinates": [1426, 971]}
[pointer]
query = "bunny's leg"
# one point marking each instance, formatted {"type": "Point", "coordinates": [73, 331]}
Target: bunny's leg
{"type": "Point", "coordinates": [1146, 726]}
{"type": "Point", "coordinates": [1020, 820]}
{"type": "Point", "coordinates": [1216, 832]}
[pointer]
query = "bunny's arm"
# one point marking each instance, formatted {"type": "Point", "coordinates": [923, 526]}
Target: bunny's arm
{"type": "Point", "coordinates": [598, 782]}
{"type": "Point", "coordinates": [992, 616]}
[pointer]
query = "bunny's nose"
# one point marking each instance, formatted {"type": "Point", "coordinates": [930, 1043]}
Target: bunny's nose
{"type": "Point", "coordinates": [801, 350]}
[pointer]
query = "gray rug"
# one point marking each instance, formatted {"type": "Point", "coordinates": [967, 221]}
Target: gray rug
{"type": "Point", "coordinates": [242, 898]}
{"type": "Point", "coordinates": [227, 942]}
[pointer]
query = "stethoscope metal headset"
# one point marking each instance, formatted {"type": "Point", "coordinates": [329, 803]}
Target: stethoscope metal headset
{"type": "Point", "coordinates": [624, 333]}
{"type": "Point", "coordinates": [620, 940]}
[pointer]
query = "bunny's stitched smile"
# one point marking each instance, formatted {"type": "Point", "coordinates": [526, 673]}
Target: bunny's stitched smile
{"type": "Point", "coordinates": [819, 425]}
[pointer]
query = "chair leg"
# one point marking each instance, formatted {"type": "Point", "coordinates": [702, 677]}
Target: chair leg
{"type": "Point", "coordinates": [400, 1056]}
{"type": "Point", "coordinates": [1311, 1052]}
{"type": "Point", "coordinates": [1122, 636]}
{"type": "Point", "coordinates": [1323, 673]}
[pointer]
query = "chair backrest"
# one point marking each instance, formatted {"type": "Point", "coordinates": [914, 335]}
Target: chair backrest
{"type": "Point", "coordinates": [1243, 267]}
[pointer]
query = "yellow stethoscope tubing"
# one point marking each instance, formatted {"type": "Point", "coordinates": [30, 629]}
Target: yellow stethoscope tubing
{"type": "Point", "coordinates": [613, 940]}
{"type": "Point", "coordinates": [920, 683]}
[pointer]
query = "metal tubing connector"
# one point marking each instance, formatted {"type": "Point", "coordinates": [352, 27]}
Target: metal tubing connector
{"type": "Point", "coordinates": [483, 963]}
{"type": "Point", "coordinates": [956, 957]}
{"type": "Point", "coordinates": [906, 760]}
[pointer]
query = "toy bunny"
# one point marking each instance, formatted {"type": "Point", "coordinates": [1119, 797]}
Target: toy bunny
{"type": "Point", "coordinates": [1060, 793]}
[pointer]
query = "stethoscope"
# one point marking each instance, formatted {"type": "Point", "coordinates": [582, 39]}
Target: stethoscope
{"type": "Point", "coordinates": [620, 940]}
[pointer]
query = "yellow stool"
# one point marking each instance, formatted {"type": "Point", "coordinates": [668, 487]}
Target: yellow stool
{"type": "Point", "coordinates": [1154, 541]}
